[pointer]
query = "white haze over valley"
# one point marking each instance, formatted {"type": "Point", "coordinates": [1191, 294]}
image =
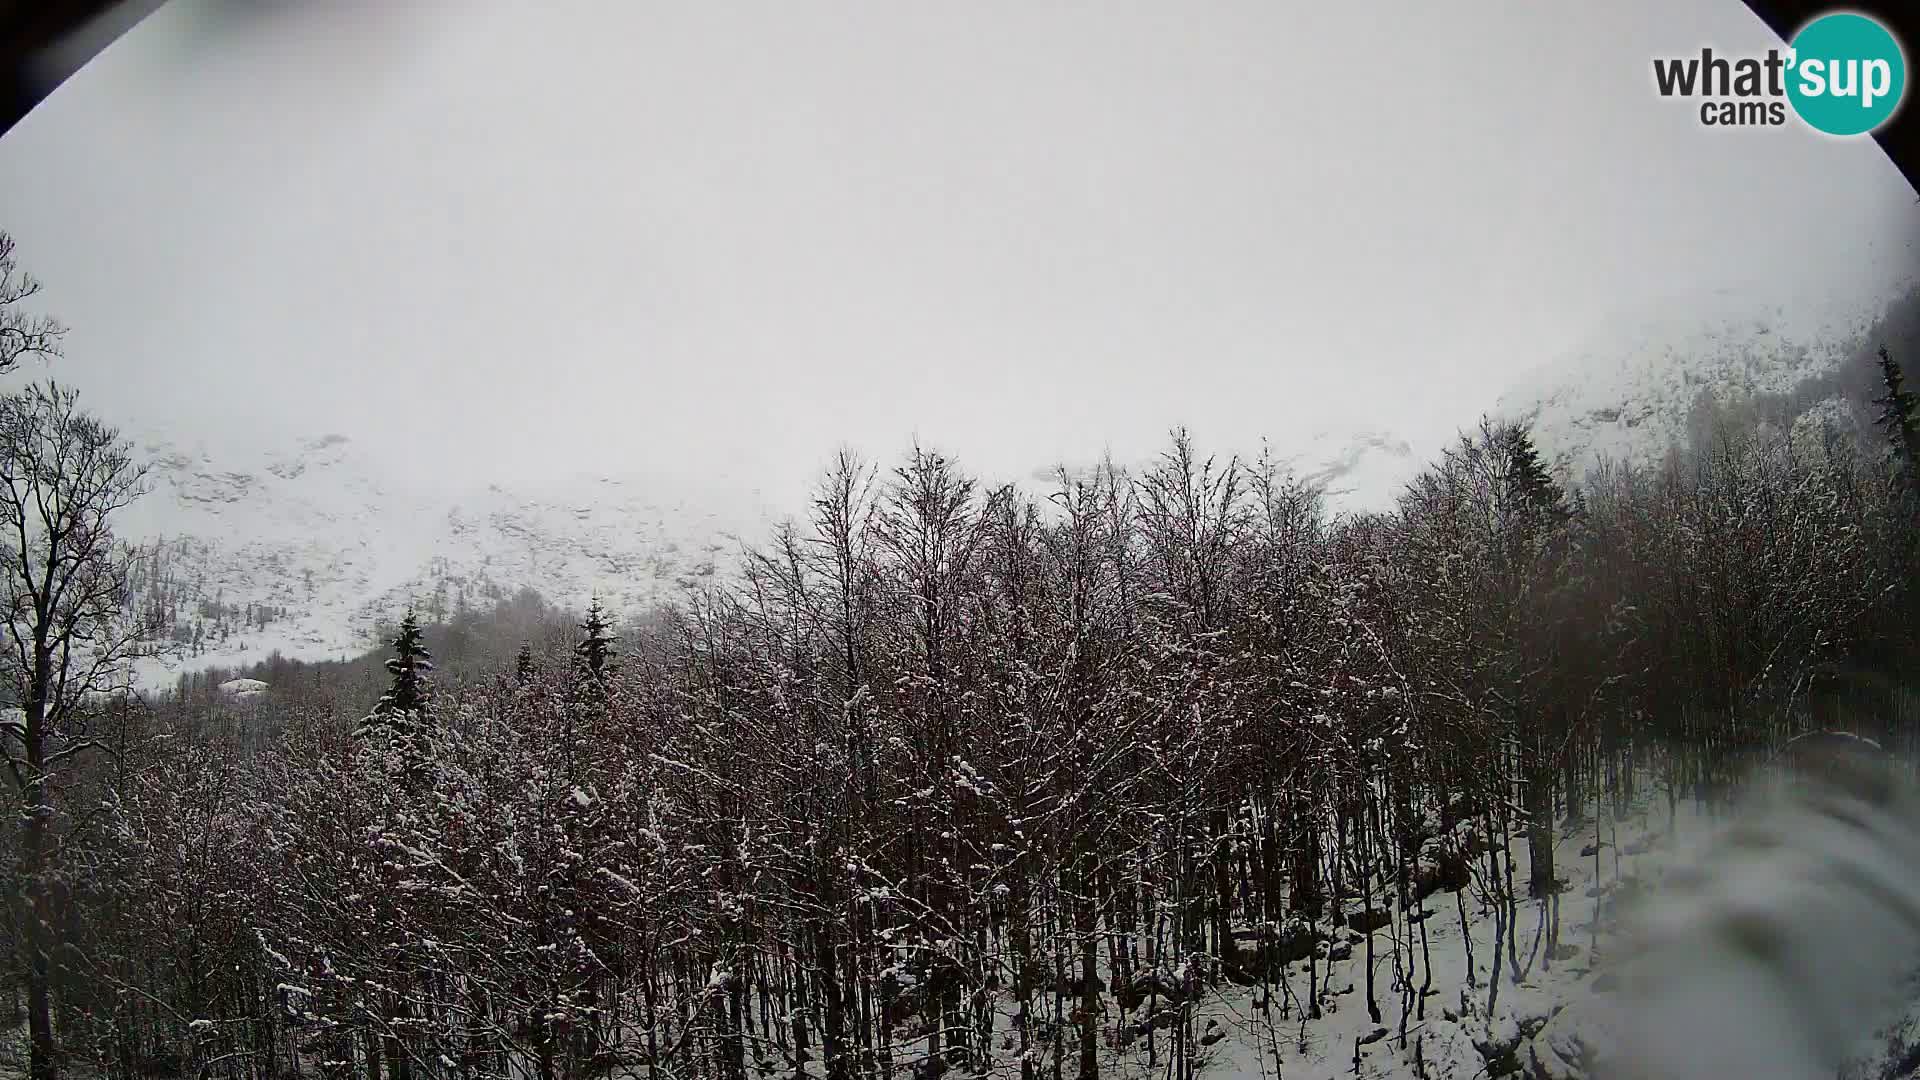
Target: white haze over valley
{"type": "Point", "coordinates": [393, 296]}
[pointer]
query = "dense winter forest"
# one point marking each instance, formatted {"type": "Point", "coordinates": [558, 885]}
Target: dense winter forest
{"type": "Point", "coordinates": [952, 778]}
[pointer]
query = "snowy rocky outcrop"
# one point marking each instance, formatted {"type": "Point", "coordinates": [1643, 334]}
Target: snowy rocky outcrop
{"type": "Point", "coordinates": [243, 689]}
{"type": "Point", "coordinates": [1630, 392]}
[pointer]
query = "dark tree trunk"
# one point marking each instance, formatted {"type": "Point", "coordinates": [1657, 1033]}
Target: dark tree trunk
{"type": "Point", "coordinates": [1089, 1010]}
{"type": "Point", "coordinates": [1538, 782]}
{"type": "Point", "coordinates": [36, 845]}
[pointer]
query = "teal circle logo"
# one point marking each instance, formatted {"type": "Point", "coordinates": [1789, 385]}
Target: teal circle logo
{"type": "Point", "coordinates": [1847, 74]}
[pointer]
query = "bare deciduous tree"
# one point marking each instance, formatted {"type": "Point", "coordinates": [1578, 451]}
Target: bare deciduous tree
{"type": "Point", "coordinates": [63, 477]}
{"type": "Point", "coordinates": [22, 336]}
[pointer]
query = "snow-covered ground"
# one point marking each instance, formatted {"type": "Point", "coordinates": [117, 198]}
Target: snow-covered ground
{"type": "Point", "coordinates": [1458, 1037]}
{"type": "Point", "coordinates": [1559, 1019]}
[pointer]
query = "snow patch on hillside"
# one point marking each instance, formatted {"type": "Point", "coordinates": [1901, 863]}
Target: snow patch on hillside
{"type": "Point", "coordinates": [1366, 471]}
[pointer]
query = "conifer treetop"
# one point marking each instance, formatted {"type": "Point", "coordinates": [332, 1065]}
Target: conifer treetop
{"type": "Point", "coordinates": [411, 663]}
{"type": "Point", "coordinates": [595, 653]}
{"type": "Point", "coordinates": [1900, 417]}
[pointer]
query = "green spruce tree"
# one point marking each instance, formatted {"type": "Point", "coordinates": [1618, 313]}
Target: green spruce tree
{"type": "Point", "coordinates": [398, 721]}
{"type": "Point", "coordinates": [594, 656]}
{"type": "Point", "coordinates": [1900, 418]}
{"type": "Point", "coordinates": [523, 665]}
{"type": "Point", "coordinates": [404, 706]}
{"type": "Point", "coordinates": [1527, 474]}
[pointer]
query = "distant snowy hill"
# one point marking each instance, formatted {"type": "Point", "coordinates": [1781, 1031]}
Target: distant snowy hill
{"type": "Point", "coordinates": [307, 550]}
{"type": "Point", "coordinates": [1630, 392]}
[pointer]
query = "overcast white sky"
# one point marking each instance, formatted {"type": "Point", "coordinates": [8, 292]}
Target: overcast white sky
{"type": "Point", "coordinates": [713, 240]}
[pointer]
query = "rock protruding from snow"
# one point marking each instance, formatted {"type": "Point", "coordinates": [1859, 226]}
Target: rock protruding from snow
{"type": "Point", "coordinates": [1578, 1043]}
{"type": "Point", "coordinates": [243, 689]}
{"type": "Point", "coordinates": [1446, 1051]}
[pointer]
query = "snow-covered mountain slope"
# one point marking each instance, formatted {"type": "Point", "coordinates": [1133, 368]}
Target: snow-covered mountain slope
{"type": "Point", "coordinates": [305, 551]}
{"type": "Point", "coordinates": [1630, 392]}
